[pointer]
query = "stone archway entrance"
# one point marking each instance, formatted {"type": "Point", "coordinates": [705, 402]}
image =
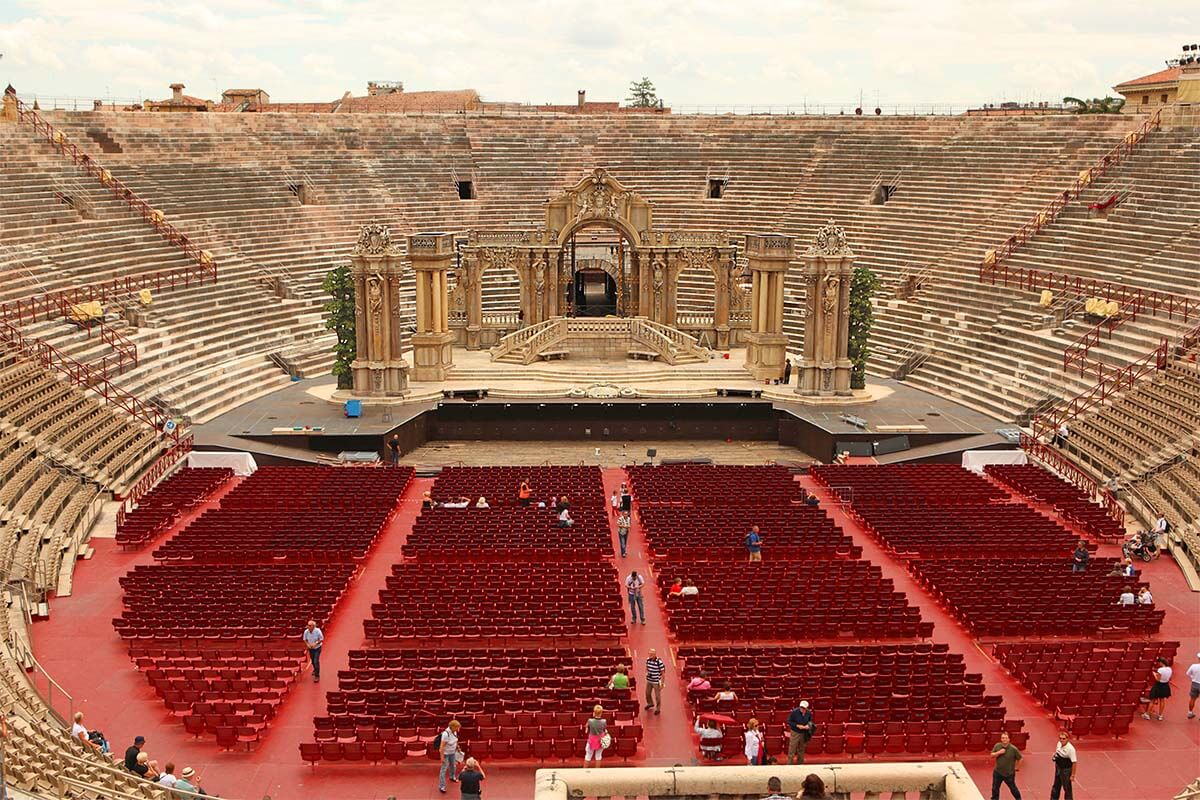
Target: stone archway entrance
{"type": "Point", "coordinates": [644, 263]}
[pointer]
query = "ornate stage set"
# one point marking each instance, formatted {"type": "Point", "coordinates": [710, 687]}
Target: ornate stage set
{"type": "Point", "coordinates": [556, 347]}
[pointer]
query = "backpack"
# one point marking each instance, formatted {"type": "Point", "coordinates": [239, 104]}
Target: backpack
{"type": "Point", "coordinates": [437, 741]}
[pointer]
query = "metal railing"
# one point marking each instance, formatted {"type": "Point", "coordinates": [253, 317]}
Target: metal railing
{"type": "Point", "coordinates": [35, 672]}
{"type": "Point", "coordinates": [162, 466]}
{"type": "Point", "coordinates": [85, 376]}
{"type": "Point", "coordinates": [1070, 471]}
{"type": "Point", "coordinates": [119, 190]}
{"type": "Point", "coordinates": [1079, 351]}
{"type": "Point", "coordinates": [1049, 213]}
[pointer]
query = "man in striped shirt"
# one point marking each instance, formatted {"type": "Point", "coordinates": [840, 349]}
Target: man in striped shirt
{"type": "Point", "coordinates": [654, 677]}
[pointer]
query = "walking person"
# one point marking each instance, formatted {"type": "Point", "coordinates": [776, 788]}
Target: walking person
{"type": "Point", "coordinates": [1161, 688]}
{"type": "Point", "coordinates": [754, 742]}
{"type": "Point", "coordinates": [637, 605]}
{"type": "Point", "coordinates": [615, 502]}
{"type": "Point", "coordinates": [1193, 673]}
{"type": "Point", "coordinates": [654, 681]}
{"type": "Point", "coordinates": [596, 730]}
{"type": "Point", "coordinates": [1064, 768]}
{"type": "Point", "coordinates": [1007, 760]}
{"type": "Point", "coordinates": [800, 728]}
{"type": "Point", "coordinates": [754, 544]}
{"type": "Point", "coordinates": [469, 780]}
{"type": "Point", "coordinates": [393, 446]}
{"type": "Point", "coordinates": [447, 745]}
{"type": "Point", "coordinates": [623, 531]}
{"type": "Point", "coordinates": [626, 499]}
{"type": "Point", "coordinates": [313, 640]}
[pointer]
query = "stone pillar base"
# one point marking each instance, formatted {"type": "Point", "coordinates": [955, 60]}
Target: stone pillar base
{"type": "Point", "coordinates": [432, 356]}
{"type": "Point", "coordinates": [723, 337]}
{"type": "Point", "coordinates": [766, 355]}
{"type": "Point", "coordinates": [380, 378]}
{"type": "Point", "coordinates": [473, 334]}
{"type": "Point", "coordinates": [824, 378]}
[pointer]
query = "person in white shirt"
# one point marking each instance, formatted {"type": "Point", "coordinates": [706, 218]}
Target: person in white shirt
{"type": "Point", "coordinates": [482, 503]}
{"type": "Point", "coordinates": [690, 589]}
{"type": "Point", "coordinates": [168, 778]}
{"type": "Point", "coordinates": [1062, 434]}
{"type": "Point", "coordinates": [1193, 673]}
{"type": "Point", "coordinates": [1161, 526]}
{"type": "Point", "coordinates": [615, 502]}
{"type": "Point", "coordinates": [1161, 689]}
{"type": "Point", "coordinates": [448, 748]}
{"type": "Point", "coordinates": [754, 740]}
{"type": "Point", "coordinates": [564, 518]}
{"type": "Point", "coordinates": [78, 731]}
{"type": "Point", "coordinates": [1144, 597]}
{"type": "Point", "coordinates": [462, 502]}
{"type": "Point", "coordinates": [314, 639]}
{"type": "Point", "coordinates": [1065, 762]}
{"type": "Point", "coordinates": [1127, 598]}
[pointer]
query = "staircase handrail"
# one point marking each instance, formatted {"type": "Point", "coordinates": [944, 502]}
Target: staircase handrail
{"type": "Point", "coordinates": [1112, 381]}
{"type": "Point", "coordinates": [119, 190]}
{"type": "Point", "coordinates": [524, 337]}
{"type": "Point", "coordinates": [87, 377]}
{"type": "Point", "coordinates": [1079, 350]}
{"type": "Point", "coordinates": [1068, 469]}
{"type": "Point", "coordinates": [1052, 209]}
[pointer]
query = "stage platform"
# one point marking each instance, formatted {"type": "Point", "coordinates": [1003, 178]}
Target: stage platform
{"type": "Point", "coordinates": [303, 421]}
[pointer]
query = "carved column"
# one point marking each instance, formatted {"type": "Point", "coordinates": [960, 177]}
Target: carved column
{"type": "Point", "coordinates": [766, 346]}
{"type": "Point", "coordinates": [379, 368]}
{"type": "Point", "coordinates": [431, 255]}
{"type": "Point", "coordinates": [722, 292]}
{"type": "Point", "coordinates": [828, 270]}
{"type": "Point", "coordinates": [473, 275]}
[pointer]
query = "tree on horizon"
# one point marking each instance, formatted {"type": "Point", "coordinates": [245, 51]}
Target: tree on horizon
{"type": "Point", "coordinates": [642, 94]}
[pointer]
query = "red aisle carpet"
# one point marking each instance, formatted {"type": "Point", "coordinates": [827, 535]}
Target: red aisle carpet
{"type": "Point", "coordinates": [80, 649]}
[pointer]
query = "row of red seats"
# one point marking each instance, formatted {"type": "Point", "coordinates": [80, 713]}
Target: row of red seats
{"type": "Point", "coordinates": [623, 746]}
{"type": "Point", "coordinates": [319, 487]}
{"type": "Point", "coordinates": [805, 529]}
{"type": "Point", "coordinates": [248, 535]}
{"type": "Point", "coordinates": [582, 486]}
{"type": "Point", "coordinates": [1071, 502]}
{"type": "Point", "coordinates": [486, 533]}
{"type": "Point", "coordinates": [713, 485]}
{"type": "Point", "coordinates": [906, 484]}
{"type": "Point", "coordinates": [1090, 679]}
{"type": "Point", "coordinates": [993, 529]}
{"type": "Point", "coordinates": [1035, 597]}
{"type": "Point", "coordinates": [162, 506]}
{"type": "Point", "coordinates": [487, 660]}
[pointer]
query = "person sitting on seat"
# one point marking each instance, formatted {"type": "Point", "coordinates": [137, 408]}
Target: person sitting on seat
{"type": "Point", "coordinates": [564, 518]}
{"type": "Point", "coordinates": [727, 694]}
{"type": "Point", "coordinates": [711, 739]}
{"type": "Point", "coordinates": [1127, 597]}
{"type": "Point", "coordinates": [620, 680]}
{"type": "Point", "coordinates": [525, 493]}
{"type": "Point", "coordinates": [482, 502]}
{"type": "Point", "coordinates": [676, 589]}
{"type": "Point", "coordinates": [461, 502]}
{"type": "Point", "coordinates": [689, 589]}
{"type": "Point", "coordinates": [699, 683]}
{"type": "Point", "coordinates": [427, 499]}
{"type": "Point", "coordinates": [563, 502]}
{"type": "Point", "coordinates": [1144, 597]}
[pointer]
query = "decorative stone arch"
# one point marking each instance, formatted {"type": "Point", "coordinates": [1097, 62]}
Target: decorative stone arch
{"type": "Point", "coordinates": [598, 199]}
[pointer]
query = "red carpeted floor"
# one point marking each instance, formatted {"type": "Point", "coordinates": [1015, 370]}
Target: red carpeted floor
{"type": "Point", "coordinates": [80, 649]}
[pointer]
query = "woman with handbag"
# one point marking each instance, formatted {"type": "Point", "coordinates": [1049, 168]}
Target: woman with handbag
{"type": "Point", "coordinates": [597, 736]}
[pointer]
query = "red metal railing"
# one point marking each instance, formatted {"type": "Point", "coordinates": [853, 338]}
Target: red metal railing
{"type": "Point", "coordinates": [120, 191]}
{"type": "Point", "coordinates": [86, 376]}
{"type": "Point", "coordinates": [1077, 352]}
{"type": "Point", "coordinates": [1117, 380]}
{"type": "Point", "coordinates": [1131, 299]}
{"type": "Point", "coordinates": [161, 466]}
{"type": "Point", "coordinates": [1087, 177]}
{"type": "Point", "coordinates": [1064, 466]}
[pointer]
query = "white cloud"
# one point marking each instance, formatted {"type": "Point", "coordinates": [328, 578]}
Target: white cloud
{"type": "Point", "coordinates": [707, 52]}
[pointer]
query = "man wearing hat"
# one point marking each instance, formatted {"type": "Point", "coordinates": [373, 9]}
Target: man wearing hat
{"type": "Point", "coordinates": [188, 780]}
{"type": "Point", "coordinates": [800, 726]}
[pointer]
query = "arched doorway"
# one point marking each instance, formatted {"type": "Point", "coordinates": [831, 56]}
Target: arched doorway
{"type": "Point", "coordinates": [599, 270]}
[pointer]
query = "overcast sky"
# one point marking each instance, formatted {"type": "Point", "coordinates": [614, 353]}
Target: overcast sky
{"type": "Point", "coordinates": [732, 52]}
